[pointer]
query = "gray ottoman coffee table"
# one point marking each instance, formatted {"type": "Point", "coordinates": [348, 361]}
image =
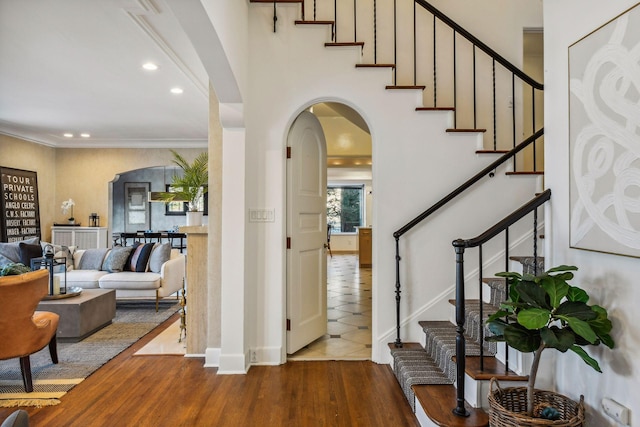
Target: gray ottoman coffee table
{"type": "Point", "coordinates": [82, 315]}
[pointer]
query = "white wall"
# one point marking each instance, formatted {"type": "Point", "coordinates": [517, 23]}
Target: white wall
{"type": "Point", "coordinates": [611, 280]}
{"type": "Point", "coordinates": [414, 164]}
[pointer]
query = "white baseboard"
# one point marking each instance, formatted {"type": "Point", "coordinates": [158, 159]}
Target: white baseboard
{"type": "Point", "coordinates": [212, 357]}
{"type": "Point", "coordinates": [233, 364]}
{"type": "Point", "coordinates": [266, 356]}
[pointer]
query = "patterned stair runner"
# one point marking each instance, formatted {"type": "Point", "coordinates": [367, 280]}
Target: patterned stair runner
{"type": "Point", "coordinates": [433, 363]}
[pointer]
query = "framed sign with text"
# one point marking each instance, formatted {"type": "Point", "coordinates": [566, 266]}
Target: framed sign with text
{"type": "Point", "coordinates": [19, 207]}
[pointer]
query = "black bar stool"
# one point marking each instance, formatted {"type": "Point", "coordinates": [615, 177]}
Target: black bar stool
{"type": "Point", "coordinates": [181, 239]}
{"type": "Point", "coordinates": [152, 237]}
{"type": "Point", "coordinates": [126, 236]}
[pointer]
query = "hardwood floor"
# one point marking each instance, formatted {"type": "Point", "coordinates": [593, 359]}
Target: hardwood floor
{"type": "Point", "coordinates": [176, 391]}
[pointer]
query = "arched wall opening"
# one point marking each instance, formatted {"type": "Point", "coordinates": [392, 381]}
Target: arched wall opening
{"type": "Point", "coordinates": [349, 171]}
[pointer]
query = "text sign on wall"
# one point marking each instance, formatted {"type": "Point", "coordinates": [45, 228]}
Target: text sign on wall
{"type": "Point", "coordinates": [19, 205]}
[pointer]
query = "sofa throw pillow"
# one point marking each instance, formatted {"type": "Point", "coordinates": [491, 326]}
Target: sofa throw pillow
{"type": "Point", "coordinates": [140, 258]}
{"type": "Point", "coordinates": [29, 251]}
{"type": "Point", "coordinates": [10, 252]}
{"type": "Point", "coordinates": [61, 251]}
{"type": "Point", "coordinates": [117, 258]}
{"type": "Point", "coordinates": [160, 254]}
{"type": "Point", "coordinates": [127, 266]}
{"type": "Point", "coordinates": [92, 259]}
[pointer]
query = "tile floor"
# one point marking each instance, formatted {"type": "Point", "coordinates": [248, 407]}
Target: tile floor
{"type": "Point", "coordinates": [166, 343]}
{"type": "Point", "coordinates": [348, 313]}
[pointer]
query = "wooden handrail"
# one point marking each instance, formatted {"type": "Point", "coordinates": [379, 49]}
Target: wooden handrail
{"type": "Point", "coordinates": [489, 169]}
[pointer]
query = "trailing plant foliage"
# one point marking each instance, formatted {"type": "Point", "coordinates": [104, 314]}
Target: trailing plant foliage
{"type": "Point", "coordinates": [545, 311]}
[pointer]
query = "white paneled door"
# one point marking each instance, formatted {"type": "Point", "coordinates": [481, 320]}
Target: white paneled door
{"type": "Point", "coordinates": [306, 233]}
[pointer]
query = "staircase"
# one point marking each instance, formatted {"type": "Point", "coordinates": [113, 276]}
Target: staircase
{"type": "Point", "coordinates": [427, 373]}
{"type": "Point", "coordinates": [470, 88]}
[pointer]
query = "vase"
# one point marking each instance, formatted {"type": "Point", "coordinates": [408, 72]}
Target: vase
{"type": "Point", "coordinates": [72, 220]}
{"type": "Point", "coordinates": [194, 218]}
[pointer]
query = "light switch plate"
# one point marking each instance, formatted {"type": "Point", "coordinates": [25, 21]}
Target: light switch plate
{"type": "Point", "coordinates": [262, 215]}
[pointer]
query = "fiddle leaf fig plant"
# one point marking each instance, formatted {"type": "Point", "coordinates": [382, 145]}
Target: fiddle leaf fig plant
{"type": "Point", "coordinates": [545, 311]}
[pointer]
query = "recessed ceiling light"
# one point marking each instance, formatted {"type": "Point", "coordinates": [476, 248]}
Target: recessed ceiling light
{"type": "Point", "coordinates": [85, 135]}
{"type": "Point", "coordinates": [68, 135]}
{"type": "Point", "coordinates": [176, 90]}
{"type": "Point", "coordinates": [150, 66]}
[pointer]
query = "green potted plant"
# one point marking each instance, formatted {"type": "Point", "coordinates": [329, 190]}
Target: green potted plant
{"type": "Point", "coordinates": [191, 186]}
{"type": "Point", "coordinates": [545, 311]}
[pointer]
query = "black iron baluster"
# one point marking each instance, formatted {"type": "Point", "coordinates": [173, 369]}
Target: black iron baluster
{"type": "Point", "coordinates": [415, 54]}
{"type": "Point", "coordinates": [460, 410]}
{"type": "Point", "coordinates": [315, 7]}
{"type": "Point", "coordinates": [455, 79]}
{"type": "Point", "coordinates": [435, 72]}
{"type": "Point", "coordinates": [398, 342]}
{"type": "Point", "coordinates": [535, 242]}
{"type": "Point", "coordinates": [275, 16]}
{"type": "Point", "coordinates": [481, 325]}
{"type": "Point", "coordinates": [513, 112]}
{"type": "Point", "coordinates": [375, 32]}
{"type": "Point", "coordinates": [355, 23]}
{"type": "Point", "coordinates": [395, 42]}
{"type": "Point", "coordinates": [335, 20]}
{"type": "Point", "coordinates": [506, 287]}
{"type": "Point", "coordinates": [475, 109]}
{"type": "Point", "coordinates": [533, 124]}
{"type": "Point", "coordinates": [495, 130]}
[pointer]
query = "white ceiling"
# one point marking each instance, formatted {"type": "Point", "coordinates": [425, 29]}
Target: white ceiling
{"type": "Point", "coordinates": [76, 66]}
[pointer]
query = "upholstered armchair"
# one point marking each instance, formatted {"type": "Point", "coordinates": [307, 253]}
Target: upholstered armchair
{"type": "Point", "coordinates": [24, 331]}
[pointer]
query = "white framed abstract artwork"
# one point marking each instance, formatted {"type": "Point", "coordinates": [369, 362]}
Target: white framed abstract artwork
{"type": "Point", "coordinates": [604, 137]}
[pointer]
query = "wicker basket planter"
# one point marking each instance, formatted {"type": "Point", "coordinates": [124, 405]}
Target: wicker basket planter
{"type": "Point", "coordinates": [508, 407]}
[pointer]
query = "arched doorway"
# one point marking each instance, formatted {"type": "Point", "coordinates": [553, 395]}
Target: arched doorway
{"type": "Point", "coordinates": [348, 297]}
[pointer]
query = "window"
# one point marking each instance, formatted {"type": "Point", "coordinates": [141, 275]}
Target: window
{"type": "Point", "coordinates": [181, 208]}
{"type": "Point", "coordinates": [345, 207]}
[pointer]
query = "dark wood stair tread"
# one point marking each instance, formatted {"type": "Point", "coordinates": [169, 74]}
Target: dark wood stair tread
{"type": "Point", "coordinates": [407, 346]}
{"type": "Point", "coordinates": [491, 151]}
{"type": "Point", "coordinates": [334, 44]}
{"type": "Point", "coordinates": [435, 109]}
{"type": "Point", "coordinates": [492, 368]}
{"type": "Point", "coordinates": [299, 22]}
{"type": "Point", "coordinates": [438, 401]}
{"type": "Point", "coordinates": [465, 130]}
{"type": "Point", "coordinates": [405, 87]}
{"type": "Point", "coordinates": [375, 65]}
{"type": "Point", "coordinates": [525, 173]}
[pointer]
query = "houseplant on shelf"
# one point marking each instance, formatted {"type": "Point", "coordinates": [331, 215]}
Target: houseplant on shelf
{"type": "Point", "coordinates": [545, 311]}
{"type": "Point", "coordinates": [191, 186]}
{"type": "Point", "coordinates": [67, 209]}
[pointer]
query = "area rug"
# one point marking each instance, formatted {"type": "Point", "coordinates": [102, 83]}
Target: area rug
{"type": "Point", "coordinates": [77, 361]}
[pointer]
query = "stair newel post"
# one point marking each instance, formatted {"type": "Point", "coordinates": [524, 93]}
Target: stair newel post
{"type": "Point", "coordinates": [398, 342]}
{"type": "Point", "coordinates": [460, 410]}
